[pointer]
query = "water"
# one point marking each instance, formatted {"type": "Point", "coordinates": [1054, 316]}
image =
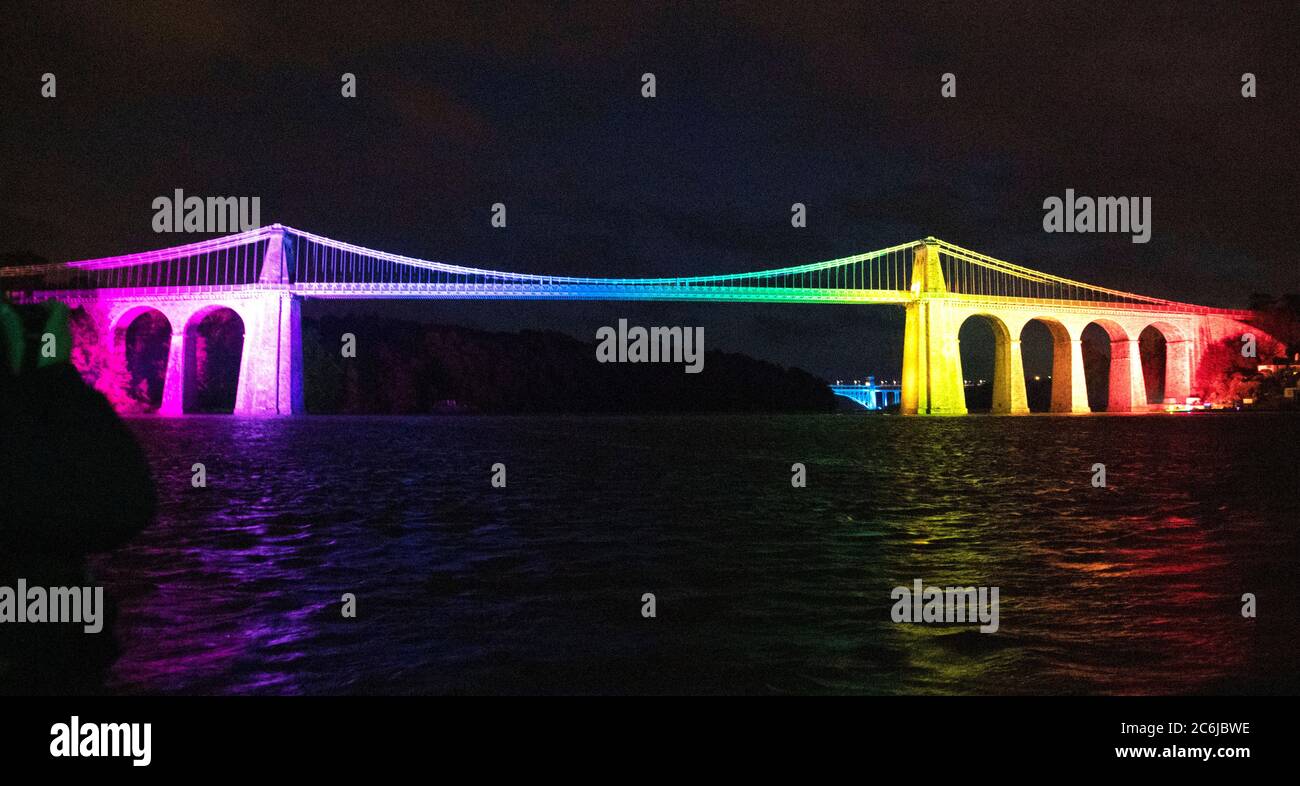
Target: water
{"type": "Point", "coordinates": [760, 587]}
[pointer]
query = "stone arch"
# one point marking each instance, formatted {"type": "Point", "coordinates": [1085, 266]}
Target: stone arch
{"type": "Point", "coordinates": [213, 345]}
{"type": "Point", "coordinates": [1126, 388]}
{"type": "Point", "coordinates": [138, 374]}
{"type": "Point", "coordinates": [1175, 377]}
{"type": "Point", "coordinates": [1113, 329]}
{"type": "Point", "coordinates": [123, 320]}
{"type": "Point", "coordinates": [1069, 393]}
{"type": "Point", "coordinates": [1008, 383]}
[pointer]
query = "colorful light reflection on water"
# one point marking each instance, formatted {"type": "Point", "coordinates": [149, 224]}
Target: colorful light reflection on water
{"type": "Point", "coordinates": [761, 587]}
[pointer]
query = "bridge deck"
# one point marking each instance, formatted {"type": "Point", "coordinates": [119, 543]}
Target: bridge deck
{"type": "Point", "coordinates": [381, 291]}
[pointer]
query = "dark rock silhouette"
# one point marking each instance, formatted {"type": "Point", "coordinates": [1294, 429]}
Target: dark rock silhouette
{"type": "Point", "coordinates": [73, 481]}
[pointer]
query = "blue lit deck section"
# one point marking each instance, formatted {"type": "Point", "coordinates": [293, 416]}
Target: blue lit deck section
{"type": "Point", "coordinates": [871, 395]}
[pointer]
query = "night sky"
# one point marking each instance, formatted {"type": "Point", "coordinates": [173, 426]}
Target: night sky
{"type": "Point", "coordinates": [837, 107]}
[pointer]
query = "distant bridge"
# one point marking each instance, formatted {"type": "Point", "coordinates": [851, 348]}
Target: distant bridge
{"type": "Point", "coordinates": [264, 274]}
{"type": "Point", "coordinates": [870, 395]}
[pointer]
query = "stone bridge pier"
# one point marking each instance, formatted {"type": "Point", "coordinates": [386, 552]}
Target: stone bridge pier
{"type": "Point", "coordinates": [270, 366]}
{"type": "Point", "coordinates": [933, 383]}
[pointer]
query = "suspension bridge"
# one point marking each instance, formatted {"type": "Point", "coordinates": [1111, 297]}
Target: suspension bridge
{"type": "Point", "coordinates": [264, 275]}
